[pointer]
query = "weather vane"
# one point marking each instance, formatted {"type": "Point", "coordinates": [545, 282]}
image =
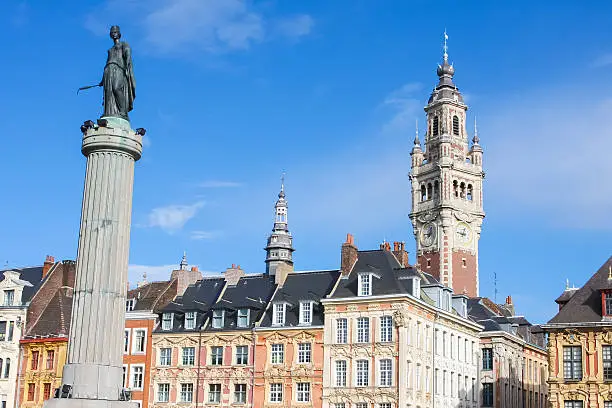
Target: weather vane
{"type": "Point", "coordinates": [445, 46]}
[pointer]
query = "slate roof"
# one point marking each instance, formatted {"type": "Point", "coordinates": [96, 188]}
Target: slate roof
{"type": "Point", "coordinates": [147, 295]}
{"type": "Point", "coordinates": [252, 292]}
{"type": "Point", "coordinates": [31, 274]}
{"type": "Point", "coordinates": [54, 321]}
{"type": "Point", "coordinates": [585, 305]}
{"type": "Point", "coordinates": [566, 295]}
{"type": "Point", "coordinates": [302, 286]}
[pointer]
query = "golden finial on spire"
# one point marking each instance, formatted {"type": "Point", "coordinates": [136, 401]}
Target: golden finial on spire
{"type": "Point", "coordinates": [609, 272]}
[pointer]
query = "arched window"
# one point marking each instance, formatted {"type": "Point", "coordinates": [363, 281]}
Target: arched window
{"type": "Point", "coordinates": [429, 191]}
{"type": "Point", "coordinates": [423, 192]}
{"type": "Point", "coordinates": [456, 125]}
{"type": "Point", "coordinates": [456, 188]}
{"type": "Point", "coordinates": [469, 192]}
{"type": "Point", "coordinates": [435, 126]}
{"type": "Point", "coordinates": [436, 193]}
{"type": "Point", "coordinates": [462, 186]}
{"type": "Point", "coordinates": [7, 368]}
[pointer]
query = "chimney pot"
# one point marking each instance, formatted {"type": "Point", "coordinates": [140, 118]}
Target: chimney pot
{"type": "Point", "coordinates": [194, 269]}
{"type": "Point", "coordinates": [233, 266]}
{"type": "Point", "coordinates": [49, 261]}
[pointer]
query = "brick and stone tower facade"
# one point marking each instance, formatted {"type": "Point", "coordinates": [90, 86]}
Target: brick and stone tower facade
{"type": "Point", "coordinates": [446, 178]}
{"type": "Point", "coordinates": [279, 248]}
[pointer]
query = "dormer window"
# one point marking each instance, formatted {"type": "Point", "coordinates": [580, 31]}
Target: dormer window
{"type": "Point", "coordinates": [190, 320]}
{"type": "Point", "coordinates": [130, 304]}
{"type": "Point", "coordinates": [306, 313]}
{"type": "Point", "coordinates": [167, 319]}
{"type": "Point", "coordinates": [278, 319]}
{"type": "Point", "coordinates": [218, 318]}
{"type": "Point", "coordinates": [9, 297]}
{"type": "Point", "coordinates": [242, 319]}
{"type": "Point", "coordinates": [365, 284]}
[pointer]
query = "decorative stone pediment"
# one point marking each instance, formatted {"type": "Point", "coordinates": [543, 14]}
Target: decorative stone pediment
{"type": "Point", "coordinates": [352, 308]}
{"type": "Point", "coordinates": [216, 341]}
{"type": "Point", "coordinates": [187, 342]}
{"type": "Point", "coordinates": [304, 336]}
{"type": "Point", "coordinates": [276, 337]}
{"type": "Point", "coordinates": [572, 336]}
{"type": "Point", "coordinates": [275, 372]}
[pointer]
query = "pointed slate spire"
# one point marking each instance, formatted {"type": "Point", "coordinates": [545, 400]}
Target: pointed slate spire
{"type": "Point", "coordinates": [183, 264]}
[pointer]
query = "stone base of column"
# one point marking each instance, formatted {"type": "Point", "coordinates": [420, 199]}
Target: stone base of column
{"type": "Point", "coordinates": [93, 380]}
{"type": "Point", "coordinates": [87, 403]}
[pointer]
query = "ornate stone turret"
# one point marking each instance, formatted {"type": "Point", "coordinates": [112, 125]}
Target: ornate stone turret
{"type": "Point", "coordinates": [279, 250]}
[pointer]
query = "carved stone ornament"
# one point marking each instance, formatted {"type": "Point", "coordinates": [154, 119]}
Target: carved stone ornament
{"type": "Point", "coordinates": [572, 336]}
{"type": "Point", "coordinates": [427, 217]}
{"type": "Point", "coordinates": [276, 337]}
{"type": "Point", "coordinates": [400, 317]}
{"type": "Point", "coordinates": [461, 216]}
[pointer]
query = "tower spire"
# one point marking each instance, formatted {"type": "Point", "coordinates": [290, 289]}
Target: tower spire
{"type": "Point", "coordinates": [417, 142]}
{"type": "Point", "coordinates": [279, 248]}
{"type": "Point", "coordinates": [183, 264]}
{"type": "Point", "coordinates": [475, 139]}
{"type": "Point", "coordinates": [445, 48]}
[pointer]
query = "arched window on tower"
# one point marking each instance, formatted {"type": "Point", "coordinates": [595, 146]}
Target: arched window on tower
{"type": "Point", "coordinates": [436, 193]}
{"type": "Point", "coordinates": [469, 192]}
{"type": "Point", "coordinates": [423, 192]}
{"type": "Point", "coordinates": [456, 125]}
{"type": "Point", "coordinates": [429, 191]}
{"type": "Point", "coordinates": [456, 188]}
{"type": "Point", "coordinates": [462, 187]}
{"type": "Point", "coordinates": [435, 126]}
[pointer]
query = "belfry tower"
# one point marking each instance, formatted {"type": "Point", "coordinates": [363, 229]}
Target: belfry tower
{"type": "Point", "coordinates": [446, 176]}
{"type": "Point", "coordinates": [279, 248]}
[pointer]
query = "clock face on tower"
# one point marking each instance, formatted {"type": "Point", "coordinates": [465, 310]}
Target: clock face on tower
{"type": "Point", "coordinates": [463, 234]}
{"type": "Point", "coordinates": [428, 234]}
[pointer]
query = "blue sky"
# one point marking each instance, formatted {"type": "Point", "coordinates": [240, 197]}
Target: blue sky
{"type": "Point", "coordinates": [232, 93]}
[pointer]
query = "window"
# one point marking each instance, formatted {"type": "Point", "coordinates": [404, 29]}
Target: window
{"type": "Point", "coordinates": [243, 318]}
{"type": "Point", "coordinates": [341, 373]}
{"type": "Point", "coordinates": [303, 392]}
{"type": "Point", "coordinates": [304, 353]}
{"type": "Point", "coordinates": [363, 330]}
{"type": "Point", "coordinates": [11, 328]}
{"type": "Point", "coordinates": [31, 390]}
{"type": "Point", "coordinates": [305, 312]}
{"type": "Point", "coordinates": [7, 368]}
{"type": "Point", "coordinates": [214, 393]}
{"type": "Point", "coordinates": [9, 297]}
{"type": "Point", "coordinates": [216, 355]}
{"type": "Point", "coordinates": [607, 363]}
{"type": "Point", "coordinates": [384, 405]}
{"type": "Point", "coordinates": [339, 405]}
{"type": "Point", "coordinates": [167, 319]}
{"type": "Point", "coordinates": [163, 392]}
{"type": "Point", "coordinates": [186, 392]}
{"type": "Point", "coordinates": [278, 353]}
{"type": "Point", "coordinates": [365, 284]}
{"type": "Point", "coordinates": [190, 320]}
{"type": "Point", "coordinates": [126, 341]}
{"type": "Point", "coordinates": [572, 404]}
{"type": "Point", "coordinates": [242, 355]}
{"type": "Point", "coordinates": [188, 356]}
{"type": "Point", "coordinates": [341, 331]}
{"type": "Point", "coordinates": [455, 125]}
{"type": "Point", "coordinates": [435, 126]}
{"type": "Point", "coordinates": [607, 404]}
{"type": "Point", "coordinates": [129, 305]}
{"type": "Point", "coordinates": [34, 364]}
{"type": "Point", "coordinates": [276, 392]}
{"type": "Point", "coordinates": [361, 405]}
{"type": "Point", "coordinates": [217, 320]}
{"type": "Point", "coordinates": [240, 391]}
{"type": "Point", "coordinates": [487, 358]}
{"type": "Point", "coordinates": [487, 394]}
{"type": "Point", "coordinates": [385, 372]}
{"type": "Point", "coordinates": [139, 341]}
{"type": "Point", "coordinates": [608, 303]}
{"type": "Point", "coordinates": [572, 362]}
{"type": "Point", "coordinates": [123, 376]}
{"type": "Point", "coordinates": [279, 314]}
{"type": "Point", "coordinates": [363, 373]}
{"type": "Point", "coordinates": [165, 356]}
{"type": "Point", "coordinates": [386, 328]}
{"type": "Point", "coordinates": [137, 377]}
{"type": "Point", "coordinates": [50, 359]}
{"type": "Point", "coordinates": [46, 391]}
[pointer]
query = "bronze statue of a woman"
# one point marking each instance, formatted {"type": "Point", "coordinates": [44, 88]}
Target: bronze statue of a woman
{"type": "Point", "coordinates": [118, 79]}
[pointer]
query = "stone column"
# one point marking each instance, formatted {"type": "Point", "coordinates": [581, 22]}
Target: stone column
{"type": "Point", "coordinates": [95, 347]}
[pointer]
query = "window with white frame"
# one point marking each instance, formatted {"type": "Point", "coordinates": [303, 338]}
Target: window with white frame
{"type": "Point", "coordinates": [137, 377]}
{"type": "Point", "coordinates": [214, 393]}
{"type": "Point", "coordinates": [573, 404]}
{"type": "Point", "coordinates": [361, 405]}
{"type": "Point", "coordinates": [365, 284]}
{"type": "Point", "coordinates": [188, 356]}
{"type": "Point", "coordinates": [339, 405]}
{"type": "Point", "coordinates": [167, 319]}
{"type": "Point", "coordinates": [384, 405]}
{"type": "Point", "coordinates": [363, 373]}
{"type": "Point", "coordinates": [216, 355]}
{"type": "Point", "coordinates": [386, 328]}
{"type": "Point", "coordinates": [303, 392]}
{"type": "Point", "coordinates": [385, 372]}
{"type": "Point", "coordinates": [186, 392]}
{"type": "Point", "coordinates": [340, 373]}
{"type": "Point", "coordinates": [242, 355]}
{"type": "Point", "coordinates": [163, 392]}
{"type": "Point", "coordinates": [138, 345]}
{"type": "Point", "coordinates": [363, 330]}
{"type": "Point", "coordinates": [190, 320]}
{"type": "Point", "coordinates": [126, 341]}
{"type": "Point", "coordinates": [341, 331]}
{"type": "Point", "coordinates": [278, 353]}
{"type": "Point", "coordinates": [305, 312]}
{"type": "Point", "coordinates": [243, 318]}
{"type": "Point", "coordinates": [217, 319]}
{"type": "Point", "coordinates": [165, 356]}
{"type": "Point", "coordinates": [279, 314]}
{"type": "Point", "coordinates": [572, 362]}
{"type": "Point", "coordinates": [129, 304]}
{"type": "Point", "coordinates": [304, 353]}
{"type": "Point", "coordinates": [276, 392]}
{"type": "Point", "coordinates": [240, 391]}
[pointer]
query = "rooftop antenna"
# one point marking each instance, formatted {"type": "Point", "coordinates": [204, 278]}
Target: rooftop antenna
{"type": "Point", "coordinates": [495, 287]}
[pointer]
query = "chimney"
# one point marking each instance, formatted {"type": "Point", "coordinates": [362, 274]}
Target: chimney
{"type": "Point", "coordinates": [387, 246]}
{"type": "Point", "coordinates": [349, 255]}
{"type": "Point", "coordinates": [185, 278]}
{"type": "Point", "coordinates": [49, 261]}
{"type": "Point", "coordinates": [399, 250]}
{"type": "Point", "coordinates": [509, 306]}
{"type": "Point", "coordinates": [233, 274]}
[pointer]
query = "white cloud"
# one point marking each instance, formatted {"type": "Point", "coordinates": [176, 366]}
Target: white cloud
{"type": "Point", "coordinates": [602, 61]}
{"type": "Point", "coordinates": [201, 235]}
{"type": "Point", "coordinates": [296, 26]}
{"type": "Point", "coordinates": [173, 217]}
{"type": "Point", "coordinates": [405, 103]}
{"type": "Point", "coordinates": [219, 184]}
